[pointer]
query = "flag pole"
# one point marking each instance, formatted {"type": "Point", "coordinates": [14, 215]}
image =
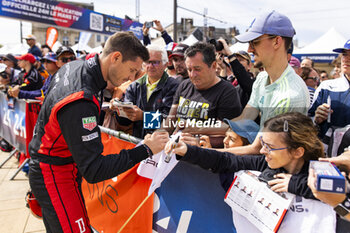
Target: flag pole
{"type": "Point", "coordinates": [131, 216]}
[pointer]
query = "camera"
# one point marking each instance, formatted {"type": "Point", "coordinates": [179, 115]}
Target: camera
{"type": "Point", "coordinates": [218, 45]}
{"type": "Point", "coordinates": [149, 24]}
{"type": "Point", "coordinates": [3, 72]}
{"type": "Point", "coordinates": [2, 67]}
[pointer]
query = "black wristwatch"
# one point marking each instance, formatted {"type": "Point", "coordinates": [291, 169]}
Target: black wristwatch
{"type": "Point", "coordinates": [343, 208]}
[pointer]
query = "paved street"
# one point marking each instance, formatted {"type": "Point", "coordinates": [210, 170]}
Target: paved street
{"type": "Point", "coordinates": [14, 216]}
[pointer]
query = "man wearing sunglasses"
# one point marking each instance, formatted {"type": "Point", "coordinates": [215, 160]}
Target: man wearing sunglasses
{"type": "Point", "coordinates": [64, 54]}
{"type": "Point", "coordinates": [154, 91]}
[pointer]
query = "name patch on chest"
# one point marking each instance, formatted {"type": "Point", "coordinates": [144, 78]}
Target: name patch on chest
{"type": "Point", "coordinates": [89, 137]}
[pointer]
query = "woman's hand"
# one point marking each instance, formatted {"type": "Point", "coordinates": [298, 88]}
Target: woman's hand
{"type": "Point", "coordinates": [280, 184]}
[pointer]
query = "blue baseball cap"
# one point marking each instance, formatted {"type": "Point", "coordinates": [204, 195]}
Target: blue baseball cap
{"type": "Point", "coordinates": [272, 23]}
{"type": "Point", "coordinates": [341, 50]}
{"type": "Point", "coordinates": [245, 128]}
{"type": "Point", "coordinates": [50, 56]}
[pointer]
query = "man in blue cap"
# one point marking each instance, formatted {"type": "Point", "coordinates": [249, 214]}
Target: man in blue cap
{"type": "Point", "coordinates": [278, 89]}
{"type": "Point", "coordinates": [331, 106]}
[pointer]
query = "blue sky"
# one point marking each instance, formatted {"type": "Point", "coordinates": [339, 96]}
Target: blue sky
{"type": "Point", "coordinates": [310, 18]}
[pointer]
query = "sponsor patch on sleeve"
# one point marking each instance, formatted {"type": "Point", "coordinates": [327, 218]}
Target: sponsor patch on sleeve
{"type": "Point", "coordinates": [89, 137]}
{"type": "Point", "coordinates": [89, 123]}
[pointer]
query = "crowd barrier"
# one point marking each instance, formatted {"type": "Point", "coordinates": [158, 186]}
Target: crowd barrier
{"type": "Point", "coordinates": [190, 199]}
{"type": "Point", "coordinates": [12, 116]}
{"type": "Point", "coordinates": [18, 118]}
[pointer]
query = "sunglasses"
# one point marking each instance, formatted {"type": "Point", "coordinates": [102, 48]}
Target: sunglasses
{"type": "Point", "coordinates": [67, 59]}
{"type": "Point", "coordinates": [46, 61]}
{"type": "Point", "coordinates": [256, 42]}
{"type": "Point", "coordinates": [153, 63]}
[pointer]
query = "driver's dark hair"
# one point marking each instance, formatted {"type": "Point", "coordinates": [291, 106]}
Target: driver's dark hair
{"type": "Point", "coordinates": [127, 44]}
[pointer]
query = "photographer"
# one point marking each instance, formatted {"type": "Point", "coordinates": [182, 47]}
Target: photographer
{"type": "Point", "coordinates": [158, 26]}
{"type": "Point", "coordinates": [223, 71]}
{"type": "Point", "coordinates": [10, 61]}
{"type": "Point", "coordinates": [10, 76]}
{"type": "Point", "coordinates": [240, 64]}
{"type": "Point", "coordinates": [4, 76]}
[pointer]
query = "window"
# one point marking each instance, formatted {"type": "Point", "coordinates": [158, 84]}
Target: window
{"type": "Point", "coordinates": [65, 41]}
{"type": "Point", "coordinates": [98, 38]}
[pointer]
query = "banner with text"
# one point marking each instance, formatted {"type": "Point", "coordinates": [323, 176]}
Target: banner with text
{"type": "Point", "coordinates": [110, 203]}
{"type": "Point", "coordinates": [66, 15]}
{"type": "Point", "coordinates": [12, 117]}
{"type": "Point", "coordinates": [191, 199]}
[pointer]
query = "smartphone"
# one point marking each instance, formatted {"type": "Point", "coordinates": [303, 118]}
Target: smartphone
{"type": "Point", "coordinates": [149, 24]}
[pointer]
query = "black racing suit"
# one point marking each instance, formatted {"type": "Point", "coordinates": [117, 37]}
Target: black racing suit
{"type": "Point", "coordinates": [67, 143]}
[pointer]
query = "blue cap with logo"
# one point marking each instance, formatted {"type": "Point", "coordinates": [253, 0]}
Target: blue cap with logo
{"type": "Point", "coordinates": [341, 50]}
{"type": "Point", "coordinates": [50, 56]}
{"type": "Point", "coordinates": [245, 128]}
{"type": "Point", "coordinates": [271, 23]}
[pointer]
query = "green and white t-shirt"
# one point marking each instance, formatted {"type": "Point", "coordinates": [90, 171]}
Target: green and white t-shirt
{"type": "Point", "coordinates": [287, 94]}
